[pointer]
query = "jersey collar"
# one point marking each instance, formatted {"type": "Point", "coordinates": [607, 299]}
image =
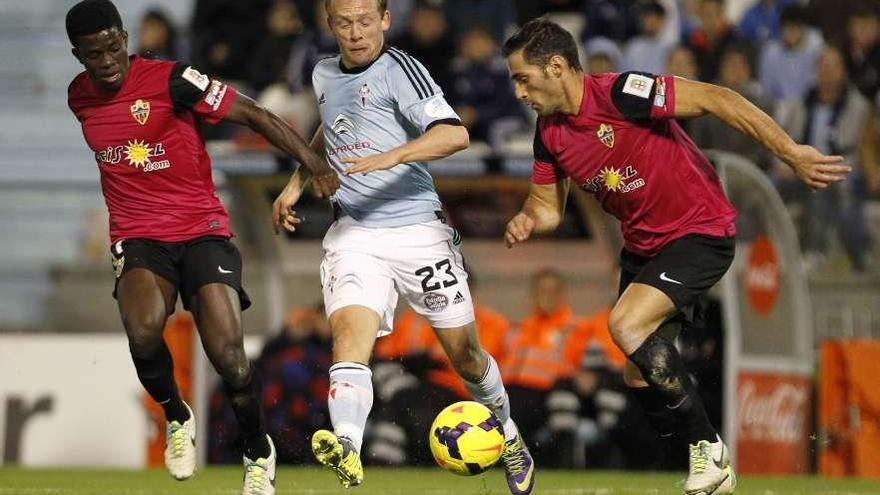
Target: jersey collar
{"type": "Point", "coordinates": [361, 68]}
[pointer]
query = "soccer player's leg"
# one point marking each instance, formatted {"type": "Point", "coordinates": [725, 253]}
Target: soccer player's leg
{"type": "Point", "coordinates": [359, 299]}
{"type": "Point", "coordinates": [212, 290]}
{"type": "Point", "coordinates": [668, 287]}
{"type": "Point", "coordinates": [482, 378]}
{"type": "Point", "coordinates": [146, 291]}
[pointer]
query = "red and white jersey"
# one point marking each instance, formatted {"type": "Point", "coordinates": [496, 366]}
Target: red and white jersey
{"type": "Point", "coordinates": [625, 148]}
{"type": "Point", "coordinates": [155, 171]}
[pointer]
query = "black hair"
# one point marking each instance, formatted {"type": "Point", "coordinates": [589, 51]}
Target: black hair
{"type": "Point", "coordinates": [90, 17]}
{"type": "Point", "coordinates": [652, 7]}
{"type": "Point", "coordinates": [540, 39]}
{"type": "Point", "coordinates": [794, 14]}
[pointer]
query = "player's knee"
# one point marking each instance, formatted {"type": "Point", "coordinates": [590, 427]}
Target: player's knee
{"type": "Point", "coordinates": [144, 332]}
{"type": "Point", "coordinates": [623, 328]}
{"type": "Point", "coordinates": [233, 366]}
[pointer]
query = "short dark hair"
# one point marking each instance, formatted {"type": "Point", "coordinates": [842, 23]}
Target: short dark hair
{"type": "Point", "coordinates": [652, 7]}
{"type": "Point", "coordinates": [91, 16]}
{"type": "Point", "coordinates": [794, 14]}
{"type": "Point", "coordinates": [383, 5]}
{"type": "Point", "coordinates": [540, 39]}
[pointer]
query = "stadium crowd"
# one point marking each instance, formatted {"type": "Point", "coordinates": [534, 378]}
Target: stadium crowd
{"type": "Point", "coordinates": [814, 66]}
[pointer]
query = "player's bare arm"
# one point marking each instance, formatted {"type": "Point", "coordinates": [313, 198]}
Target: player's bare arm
{"type": "Point", "coordinates": [247, 112]}
{"type": "Point", "coordinates": [816, 169]}
{"type": "Point", "coordinates": [283, 215]}
{"type": "Point", "coordinates": [438, 142]}
{"type": "Point", "coordinates": [542, 212]}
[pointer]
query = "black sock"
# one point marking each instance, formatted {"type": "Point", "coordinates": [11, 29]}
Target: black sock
{"type": "Point", "coordinates": [655, 409]}
{"type": "Point", "coordinates": [662, 368]}
{"type": "Point", "coordinates": [248, 408]}
{"type": "Point", "coordinates": [156, 373]}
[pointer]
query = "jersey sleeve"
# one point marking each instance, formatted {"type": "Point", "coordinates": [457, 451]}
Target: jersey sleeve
{"type": "Point", "coordinates": [640, 95]}
{"type": "Point", "coordinates": [545, 170]}
{"type": "Point", "coordinates": [419, 99]}
{"type": "Point", "coordinates": [191, 90]}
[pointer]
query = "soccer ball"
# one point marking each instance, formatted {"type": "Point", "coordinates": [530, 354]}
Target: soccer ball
{"type": "Point", "coordinates": [466, 438]}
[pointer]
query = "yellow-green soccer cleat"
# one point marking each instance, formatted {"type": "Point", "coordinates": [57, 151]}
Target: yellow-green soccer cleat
{"type": "Point", "coordinates": [710, 470]}
{"type": "Point", "coordinates": [518, 466]}
{"type": "Point", "coordinates": [338, 454]}
{"type": "Point", "coordinates": [180, 447]}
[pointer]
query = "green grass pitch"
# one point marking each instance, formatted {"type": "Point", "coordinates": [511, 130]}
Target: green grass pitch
{"type": "Point", "coordinates": [386, 481]}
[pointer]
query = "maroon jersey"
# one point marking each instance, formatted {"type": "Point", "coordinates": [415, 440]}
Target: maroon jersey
{"type": "Point", "coordinates": [155, 171]}
{"type": "Point", "coordinates": [625, 148]}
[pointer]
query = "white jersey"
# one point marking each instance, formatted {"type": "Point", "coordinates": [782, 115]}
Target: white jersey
{"type": "Point", "coordinates": [373, 109]}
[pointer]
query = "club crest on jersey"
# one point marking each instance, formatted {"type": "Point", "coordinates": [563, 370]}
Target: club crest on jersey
{"type": "Point", "coordinates": [140, 111]}
{"type": "Point", "coordinates": [606, 135]}
{"type": "Point", "coordinates": [364, 94]}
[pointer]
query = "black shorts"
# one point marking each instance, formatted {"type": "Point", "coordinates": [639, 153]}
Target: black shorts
{"type": "Point", "coordinates": [186, 264]}
{"type": "Point", "coordinates": [685, 269]}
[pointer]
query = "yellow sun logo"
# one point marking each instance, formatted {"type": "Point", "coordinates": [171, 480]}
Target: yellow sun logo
{"type": "Point", "coordinates": [138, 153]}
{"type": "Point", "coordinates": [612, 178]}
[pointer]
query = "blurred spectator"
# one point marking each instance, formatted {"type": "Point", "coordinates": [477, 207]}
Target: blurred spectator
{"type": "Point", "coordinates": [647, 52]}
{"type": "Point", "coordinates": [602, 55]}
{"type": "Point", "coordinates": [682, 63]}
{"type": "Point", "coordinates": [157, 37]}
{"type": "Point", "coordinates": [314, 44]}
{"type": "Point", "coordinates": [711, 39]}
{"type": "Point", "coordinates": [481, 91]}
{"type": "Point", "coordinates": [617, 20]}
{"type": "Point", "coordinates": [787, 68]}
{"type": "Point", "coordinates": [863, 50]}
{"type": "Point", "coordinates": [225, 32]}
{"type": "Point", "coordinates": [268, 63]}
{"type": "Point", "coordinates": [835, 118]}
{"type": "Point", "coordinates": [427, 39]}
{"type": "Point", "coordinates": [544, 348]}
{"type": "Point", "coordinates": [293, 366]}
{"type": "Point", "coordinates": [709, 132]}
{"type": "Point", "coordinates": [829, 14]}
{"type": "Point", "coordinates": [497, 16]}
{"type": "Point", "coordinates": [761, 22]}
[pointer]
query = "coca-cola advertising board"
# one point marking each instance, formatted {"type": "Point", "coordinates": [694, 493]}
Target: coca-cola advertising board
{"type": "Point", "coordinates": [772, 422]}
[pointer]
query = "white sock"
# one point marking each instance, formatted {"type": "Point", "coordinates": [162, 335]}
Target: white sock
{"type": "Point", "coordinates": [490, 392]}
{"type": "Point", "coordinates": [350, 400]}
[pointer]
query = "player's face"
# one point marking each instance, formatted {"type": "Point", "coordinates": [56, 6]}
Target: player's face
{"type": "Point", "coordinates": [105, 57]}
{"type": "Point", "coordinates": [534, 85]}
{"type": "Point", "coordinates": [359, 29]}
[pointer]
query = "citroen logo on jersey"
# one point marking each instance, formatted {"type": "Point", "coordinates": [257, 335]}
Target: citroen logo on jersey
{"type": "Point", "coordinates": [343, 126]}
{"type": "Point", "coordinates": [364, 94]}
{"type": "Point", "coordinates": [140, 111]}
{"type": "Point", "coordinates": [606, 135]}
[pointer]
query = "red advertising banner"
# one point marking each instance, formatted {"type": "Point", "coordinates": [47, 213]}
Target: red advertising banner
{"type": "Point", "coordinates": [772, 422]}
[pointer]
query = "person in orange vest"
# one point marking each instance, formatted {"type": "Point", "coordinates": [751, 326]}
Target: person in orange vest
{"type": "Point", "coordinates": [538, 353]}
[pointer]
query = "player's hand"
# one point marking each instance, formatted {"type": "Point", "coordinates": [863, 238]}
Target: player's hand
{"type": "Point", "coordinates": [325, 181]}
{"type": "Point", "coordinates": [366, 164]}
{"type": "Point", "coordinates": [283, 215]}
{"type": "Point", "coordinates": [816, 169]}
{"type": "Point", "coordinates": [519, 229]}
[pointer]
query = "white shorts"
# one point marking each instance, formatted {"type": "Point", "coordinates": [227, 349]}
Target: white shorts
{"type": "Point", "coordinates": [370, 266]}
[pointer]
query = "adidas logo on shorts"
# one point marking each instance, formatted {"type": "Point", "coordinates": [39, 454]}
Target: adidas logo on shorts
{"type": "Point", "coordinates": [458, 298]}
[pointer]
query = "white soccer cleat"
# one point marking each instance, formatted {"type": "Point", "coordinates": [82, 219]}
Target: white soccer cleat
{"type": "Point", "coordinates": [259, 475]}
{"type": "Point", "coordinates": [180, 447]}
{"type": "Point", "coordinates": [710, 470]}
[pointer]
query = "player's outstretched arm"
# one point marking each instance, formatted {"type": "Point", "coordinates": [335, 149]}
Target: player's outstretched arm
{"type": "Point", "coordinates": [542, 212]}
{"type": "Point", "coordinates": [247, 112]}
{"type": "Point", "coordinates": [437, 142]}
{"type": "Point", "coordinates": [816, 169]}
{"type": "Point", "coordinates": [283, 215]}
